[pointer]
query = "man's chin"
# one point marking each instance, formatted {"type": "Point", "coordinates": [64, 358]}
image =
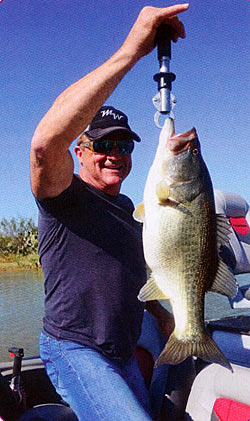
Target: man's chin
{"type": "Point", "coordinates": [114, 179]}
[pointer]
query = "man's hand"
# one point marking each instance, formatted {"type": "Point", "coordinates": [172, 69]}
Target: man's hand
{"type": "Point", "coordinates": [164, 319]}
{"type": "Point", "coordinates": [166, 324]}
{"type": "Point", "coordinates": [141, 39]}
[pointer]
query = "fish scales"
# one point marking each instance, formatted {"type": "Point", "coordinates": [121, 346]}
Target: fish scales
{"type": "Point", "coordinates": [180, 243]}
{"type": "Point", "coordinates": [187, 236]}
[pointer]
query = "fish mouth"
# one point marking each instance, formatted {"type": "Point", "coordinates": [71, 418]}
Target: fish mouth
{"type": "Point", "coordinates": [182, 142]}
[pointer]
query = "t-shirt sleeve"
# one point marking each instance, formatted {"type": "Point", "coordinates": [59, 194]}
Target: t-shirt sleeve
{"type": "Point", "coordinates": [53, 205]}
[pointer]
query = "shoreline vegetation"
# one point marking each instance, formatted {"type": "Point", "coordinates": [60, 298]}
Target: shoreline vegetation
{"type": "Point", "coordinates": [18, 245]}
{"type": "Point", "coordinates": [13, 264]}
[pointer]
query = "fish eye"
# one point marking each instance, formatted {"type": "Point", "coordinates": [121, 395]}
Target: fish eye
{"type": "Point", "coordinates": [195, 151]}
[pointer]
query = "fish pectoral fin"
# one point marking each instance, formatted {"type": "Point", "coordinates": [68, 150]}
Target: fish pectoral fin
{"type": "Point", "coordinates": [150, 291]}
{"type": "Point", "coordinates": [224, 282]}
{"type": "Point", "coordinates": [223, 229]}
{"type": "Point", "coordinates": [139, 213]}
{"type": "Point", "coordinates": [162, 192]}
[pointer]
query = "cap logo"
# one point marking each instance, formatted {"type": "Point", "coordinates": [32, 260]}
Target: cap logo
{"type": "Point", "coordinates": [111, 112]}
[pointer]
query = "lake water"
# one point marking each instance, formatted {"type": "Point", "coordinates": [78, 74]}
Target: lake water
{"type": "Point", "coordinates": [21, 310]}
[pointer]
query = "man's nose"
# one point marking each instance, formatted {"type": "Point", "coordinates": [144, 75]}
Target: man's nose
{"type": "Point", "coordinates": [114, 151]}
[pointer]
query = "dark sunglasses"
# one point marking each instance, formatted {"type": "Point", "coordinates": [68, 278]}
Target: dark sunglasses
{"type": "Point", "coordinates": [105, 146]}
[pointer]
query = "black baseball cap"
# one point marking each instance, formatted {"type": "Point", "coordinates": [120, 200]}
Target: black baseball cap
{"type": "Point", "coordinates": [108, 119]}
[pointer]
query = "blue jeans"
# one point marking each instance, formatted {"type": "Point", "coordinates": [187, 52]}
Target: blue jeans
{"type": "Point", "coordinates": [95, 387]}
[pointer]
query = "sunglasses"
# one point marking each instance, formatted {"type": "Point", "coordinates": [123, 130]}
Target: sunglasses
{"type": "Point", "coordinates": [105, 146]}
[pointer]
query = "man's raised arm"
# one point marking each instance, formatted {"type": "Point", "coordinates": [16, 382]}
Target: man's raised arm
{"type": "Point", "coordinates": [51, 163]}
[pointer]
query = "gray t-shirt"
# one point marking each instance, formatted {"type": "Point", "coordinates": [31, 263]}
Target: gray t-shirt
{"type": "Point", "coordinates": [91, 253]}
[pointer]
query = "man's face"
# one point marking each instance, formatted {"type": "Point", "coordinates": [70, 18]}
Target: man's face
{"type": "Point", "coordinates": [105, 171]}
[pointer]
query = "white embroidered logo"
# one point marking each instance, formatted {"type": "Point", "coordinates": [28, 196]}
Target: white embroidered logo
{"type": "Point", "coordinates": [111, 112]}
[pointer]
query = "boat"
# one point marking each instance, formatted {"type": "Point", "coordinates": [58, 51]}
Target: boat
{"type": "Point", "coordinates": [216, 393]}
{"type": "Point", "coordinates": [202, 391]}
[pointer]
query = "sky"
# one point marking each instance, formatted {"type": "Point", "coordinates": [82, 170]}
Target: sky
{"type": "Point", "coordinates": [46, 45]}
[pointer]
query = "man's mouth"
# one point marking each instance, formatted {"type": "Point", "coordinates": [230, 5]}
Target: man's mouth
{"type": "Point", "coordinates": [113, 168]}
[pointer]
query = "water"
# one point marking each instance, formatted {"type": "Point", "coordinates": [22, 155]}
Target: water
{"type": "Point", "coordinates": [21, 310]}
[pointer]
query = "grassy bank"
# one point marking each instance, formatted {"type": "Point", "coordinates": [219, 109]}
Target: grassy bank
{"type": "Point", "coordinates": [14, 263]}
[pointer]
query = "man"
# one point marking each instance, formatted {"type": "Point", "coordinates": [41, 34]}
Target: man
{"type": "Point", "coordinates": [90, 246]}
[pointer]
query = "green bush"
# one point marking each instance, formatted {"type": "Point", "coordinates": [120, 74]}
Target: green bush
{"type": "Point", "coordinates": [18, 236]}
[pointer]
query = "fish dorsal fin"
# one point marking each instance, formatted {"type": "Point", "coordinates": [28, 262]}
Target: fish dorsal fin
{"type": "Point", "coordinates": [223, 229]}
{"type": "Point", "coordinates": [139, 213]}
{"type": "Point", "coordinates": [150, 291]}
{"type": "Point", "coordinates": [225, 282]}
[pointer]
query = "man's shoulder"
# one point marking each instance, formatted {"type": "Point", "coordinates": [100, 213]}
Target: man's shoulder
{"type": "Point", "coordinates": [66, 196]}
{"type": "Point", "coordinates": [125, 202]}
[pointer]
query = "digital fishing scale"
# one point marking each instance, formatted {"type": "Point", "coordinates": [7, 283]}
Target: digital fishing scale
{"type": "Point", "coordinates": [164, 101]}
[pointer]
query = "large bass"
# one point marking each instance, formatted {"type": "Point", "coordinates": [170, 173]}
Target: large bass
{"type": "Point", "coordinates": [181, 238]}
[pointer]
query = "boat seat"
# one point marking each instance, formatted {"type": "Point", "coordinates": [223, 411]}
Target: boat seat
{"type": "Point", "coordinates": [237, 210]}
{"type": "Point", "coordinates": [228, 410]}
{"type": "Point", "coordinates": [214, 383]}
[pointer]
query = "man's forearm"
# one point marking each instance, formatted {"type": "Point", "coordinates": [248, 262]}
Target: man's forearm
{"type": "Point", "coordinates": [74, 108]}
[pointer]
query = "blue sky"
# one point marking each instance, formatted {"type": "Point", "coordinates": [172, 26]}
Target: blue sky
{"type": "Point", "coordinates": [48, 44]}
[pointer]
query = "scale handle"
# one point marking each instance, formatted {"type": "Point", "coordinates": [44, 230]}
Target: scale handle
{"type": "Point", "coordinates": [163, 41]}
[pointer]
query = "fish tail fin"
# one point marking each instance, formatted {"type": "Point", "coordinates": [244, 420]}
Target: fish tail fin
{"type": "Point", "coordinates": [177, 350]}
